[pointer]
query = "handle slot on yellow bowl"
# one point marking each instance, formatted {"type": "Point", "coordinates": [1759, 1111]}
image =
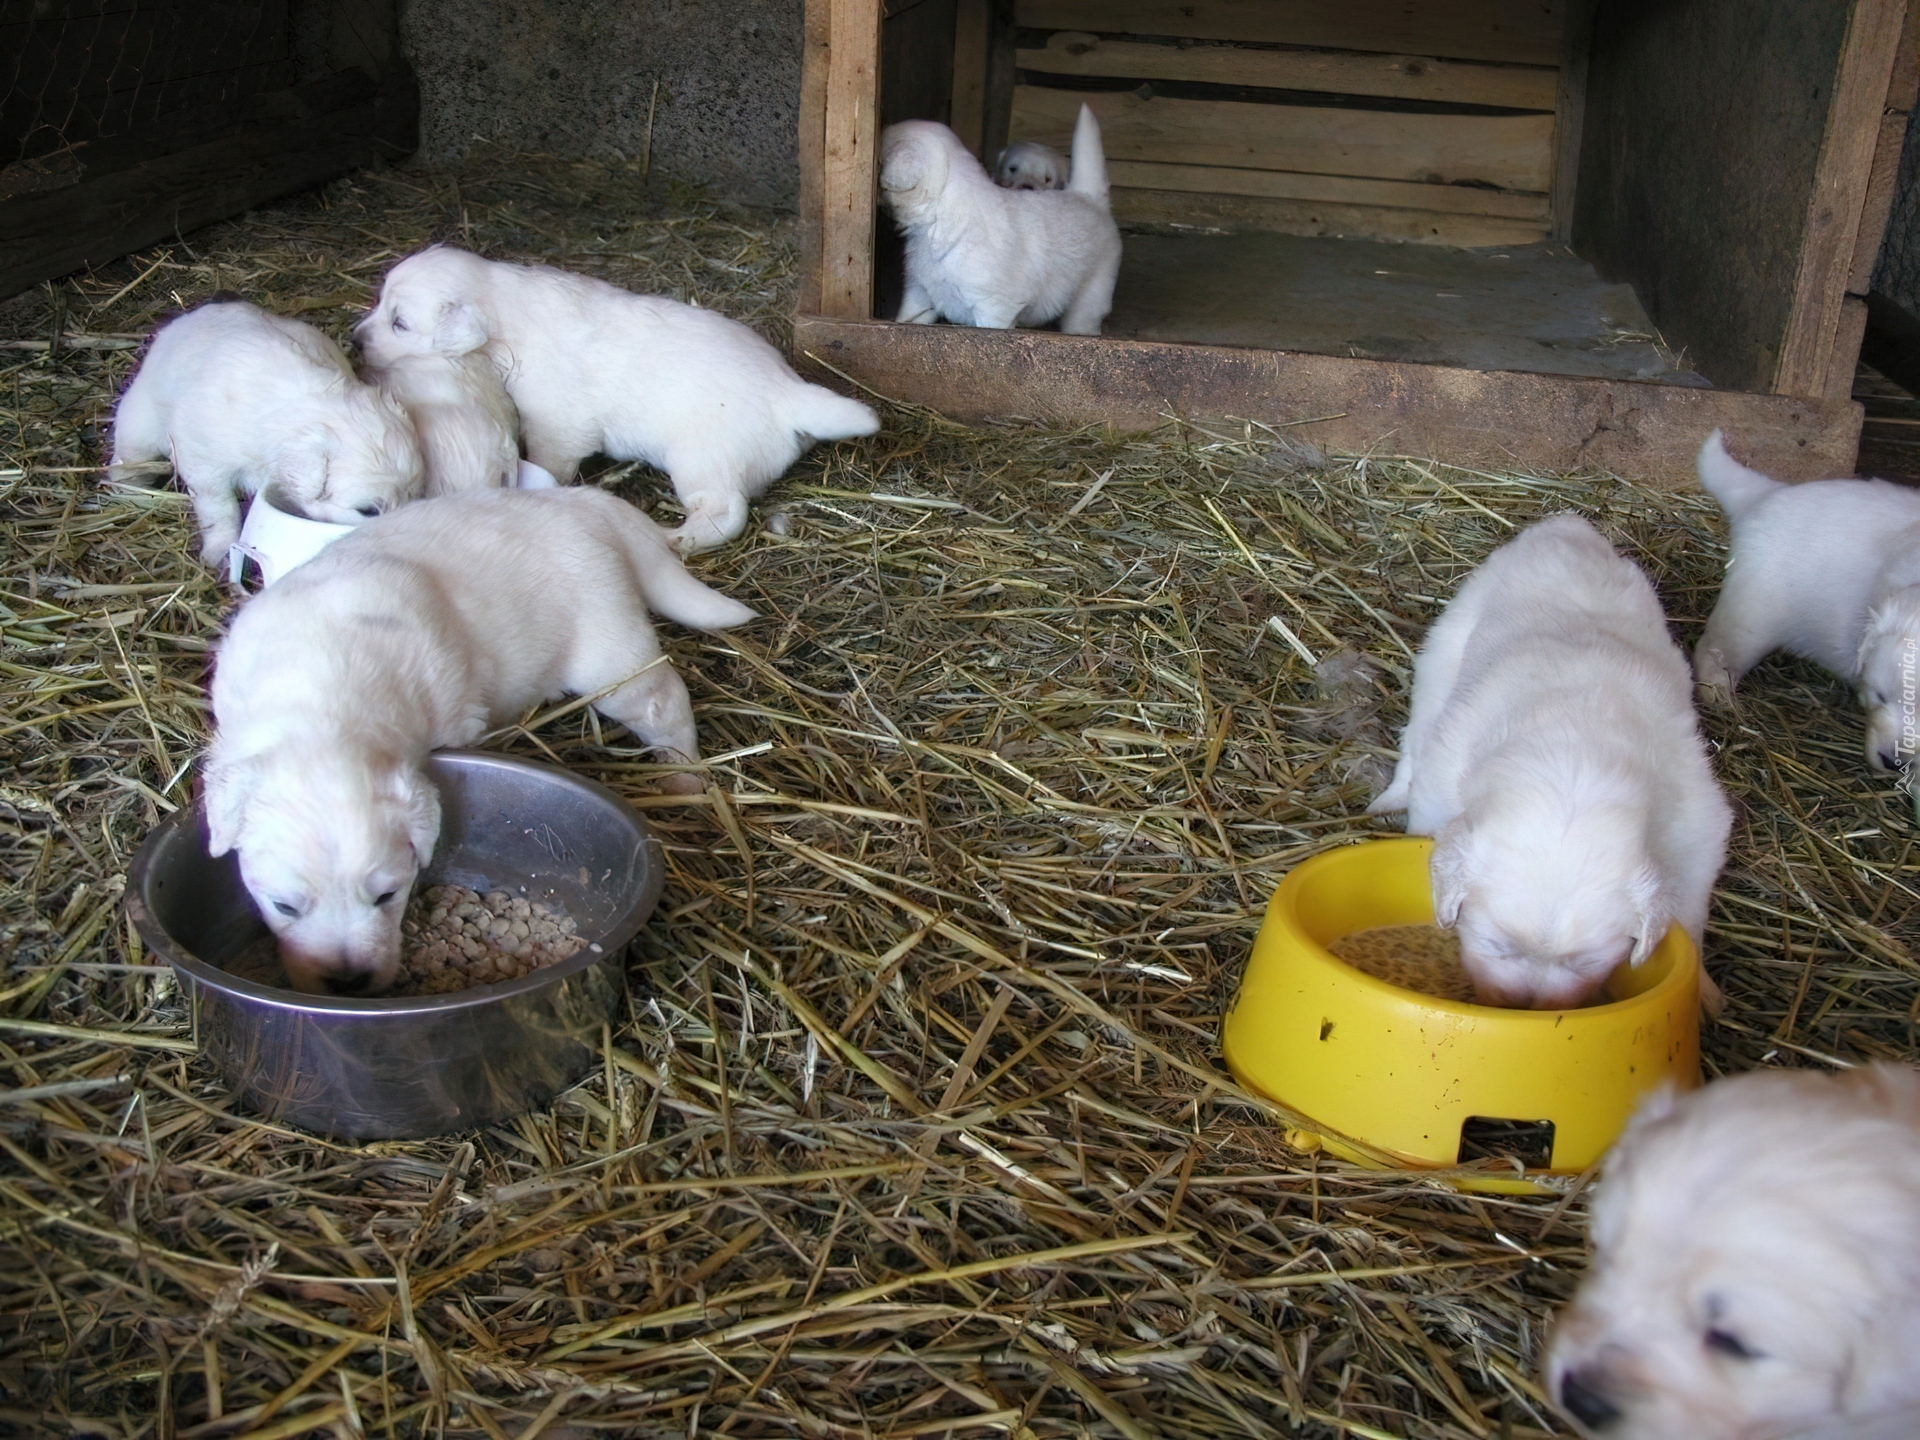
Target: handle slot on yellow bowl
{"type": "Point", "coordinates": [1433, 1082]}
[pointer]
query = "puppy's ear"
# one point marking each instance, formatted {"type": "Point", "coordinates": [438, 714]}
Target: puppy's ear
{"type": "Point", "coordinates": [1652, 913]}
{"type": "Point", "coordinates": [298, 469]}
{"type": "Point", "coordinates": [419, 811]}
{"type": "Point", "coordinates": [1452, 860]}
{"type": "Point", "coordinates": [229, 787]}
{"type": "Point", "coordinates": [458, 328]}
{"type": "Point", "coordinates": [915, 164]}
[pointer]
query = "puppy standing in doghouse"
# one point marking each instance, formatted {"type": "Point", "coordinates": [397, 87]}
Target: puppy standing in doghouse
{"type": "Point", "coordinates": [981, 255]}
{"type": "Point", "coordinates": [1828, 571]}
{"type": "Point", "coordinates": [1553, 753]}
{"type": "Point", "coordinates": [427, 629]}
{"type": "Point", "coordinates": [1029, 165]}
{"type": "Point", "coordinates": [594, 369]}
{"type": "Point", "coordinates": [239, 399]}
{"type": "Point", "coordinates": [1756, 1268]}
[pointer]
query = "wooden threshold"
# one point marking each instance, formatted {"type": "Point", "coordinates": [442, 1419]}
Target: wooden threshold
{"type": "Point", "coordinates": [1507, 420]}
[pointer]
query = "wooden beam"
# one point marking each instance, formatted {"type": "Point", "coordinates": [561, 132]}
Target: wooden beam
{"type": "Point", "coordinates": [1333, 189]}
{"type": "Point", "coordinates": [1506, 419]}
{"type": "Point", "coordinates": [1848, 336]}
{"type": "Point", "coordinates": [1001, 68]}
{"type": "Point", "coordinates": [1570, 114]}
{"type": "Point", "coordinates": [1512, 152]}
{"type": "Point", "coordinates": [293, 144]}
{"type": "Point", "coordinates": [1348, 220]}
{"type": "Point", "coordinates": [1411, 77]}
{"type": "Point", "coordinates": [815, 30]}
{"type": "Point", "coordinates": [972, 30]}
{"type": "Point", "coordinates": [1833, 213]}
{"type": "Point", "coordinates": [1522, 32]}
{"type": "Point", "coordinates": [849, 162]}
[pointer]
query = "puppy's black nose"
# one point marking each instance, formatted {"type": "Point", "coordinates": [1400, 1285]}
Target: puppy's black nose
{"type": "Point", "coordinates": [1585, 1404]}
{"type": "Point", "coordinates": [349, 984]}
{"type": "Point", "coordinates": [1894, 760]}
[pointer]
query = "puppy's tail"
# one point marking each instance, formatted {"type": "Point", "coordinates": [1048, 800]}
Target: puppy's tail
{"type": "Point", "coordinates": [664, 582]}
{"type": "Point", "coordinates": [1737, 488]}
{"type": "Point", "coordinates": [1089, 175]}
{"type": "Point", "coordinates": [815, 410]}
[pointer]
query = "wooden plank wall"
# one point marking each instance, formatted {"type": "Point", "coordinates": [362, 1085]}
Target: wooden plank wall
{"type": "Point", "coordinates": [1724, 168]}
{"type": "Point", "coordinates": [1431, 122]}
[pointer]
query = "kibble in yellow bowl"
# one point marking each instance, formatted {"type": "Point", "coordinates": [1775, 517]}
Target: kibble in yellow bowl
{"type": "Point", "coordinates": [1412, 1076]}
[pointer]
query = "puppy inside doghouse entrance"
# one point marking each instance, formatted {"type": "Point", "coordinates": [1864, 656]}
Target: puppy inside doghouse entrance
{"type": "Point", "coordinates": [1336, 180]}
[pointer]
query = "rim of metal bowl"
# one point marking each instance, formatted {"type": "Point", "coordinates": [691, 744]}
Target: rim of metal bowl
{"type": "Point", "coordinates": [610, 943]}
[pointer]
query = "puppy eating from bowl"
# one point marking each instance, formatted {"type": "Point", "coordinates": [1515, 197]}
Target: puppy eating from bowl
{"type": "Point", "coordinates": [1552, 751]}
{"type": "Point", "coordinates": [981, 255]}
{"type": "Point", "coordinates": [1756, 1267]}
{"type": "Point", "coordinates": [425, 630]}
{"type": "Point", "coordinates": [238, 398]}
{"type": "Point", "coordinates": [594, 369]}
{"type": "Point", "coordinates": [1828, 571]}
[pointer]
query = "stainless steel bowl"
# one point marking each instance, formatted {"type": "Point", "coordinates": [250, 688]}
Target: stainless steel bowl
{"type": "Point", "coordinates": [423, 1065]}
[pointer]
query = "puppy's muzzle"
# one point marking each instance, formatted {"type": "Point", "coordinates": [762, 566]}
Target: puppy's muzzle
{"type": "Point", "coordinates": [1581, 1398]}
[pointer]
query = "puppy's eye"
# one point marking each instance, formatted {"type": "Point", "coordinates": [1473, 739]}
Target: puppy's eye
{"type": "Point", "coordinates": [1876, 699]}
{"type": "Point", "coordinates": [1725, 1342]}
{"type": "Point", "coordinates": [287, 910]}
{"type": "Point", "coordinates": [398, 323]}
{"type": "Point", "coordinates": [369, 511]}
{"type": "Point", "coordinates": [386, 897]}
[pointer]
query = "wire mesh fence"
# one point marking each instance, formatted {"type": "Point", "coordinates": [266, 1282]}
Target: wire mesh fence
{"type": "Point", "coordinates": [1897, 272]}
{"type": "Point", "coordinates": [78, 71]}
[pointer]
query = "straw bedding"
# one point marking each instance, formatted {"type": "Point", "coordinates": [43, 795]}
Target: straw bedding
{"type": "Point", "coordinates": [916, 1123]}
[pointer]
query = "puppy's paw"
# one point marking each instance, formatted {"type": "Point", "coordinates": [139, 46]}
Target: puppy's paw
{"type": "Point", "coordinates": [1714, 692]}
{"type": "Point", "coordinates": [1712, 682]}
{"type": "Point", "coordinates": [1393, 799]}
{"type": "Point", "coordinates": [684, 782]}
{"type": "Point", "coordinates": [1713, 1000]}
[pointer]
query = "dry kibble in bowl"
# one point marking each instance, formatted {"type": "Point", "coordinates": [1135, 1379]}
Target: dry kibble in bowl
{"type": "Point", "coordinates": [1414, 957]}
{"type": "Point", "coordinates": [1423, 958]}
{"type": "Point", "coordinates": [453, 939]}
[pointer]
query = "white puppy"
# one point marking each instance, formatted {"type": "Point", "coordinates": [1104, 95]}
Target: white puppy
{"type": "Point", "coordinates": [469, 431]}
{"type": "Point", "coordinates": [1029, 165]}
{"type": "Point", "coordinates": [238, 398]}
{"type": "Point", "coordinates": [1756, 1268]}
{"type": "Point", "coordinates": [980, 255]}
{"type": "Point", "coordinates": [1829, 571]}
{"type": "Point", "coordinates": [440, 622]}
{"type": "Point", "coordinates": [596, 369]}
{"type": "Point", "coordinates": [1552, 752]}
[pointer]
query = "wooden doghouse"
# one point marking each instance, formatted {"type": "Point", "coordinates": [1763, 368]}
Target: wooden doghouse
{"type": "Point", "coordinates": [1551, 233]}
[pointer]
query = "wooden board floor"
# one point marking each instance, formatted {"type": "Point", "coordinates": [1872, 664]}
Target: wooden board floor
{"type": "Point", "coordinates": [1525, 307]}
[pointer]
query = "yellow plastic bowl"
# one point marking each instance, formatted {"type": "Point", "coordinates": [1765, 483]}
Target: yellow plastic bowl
{"type": "Point", "coordinates": [1402, 1072]}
